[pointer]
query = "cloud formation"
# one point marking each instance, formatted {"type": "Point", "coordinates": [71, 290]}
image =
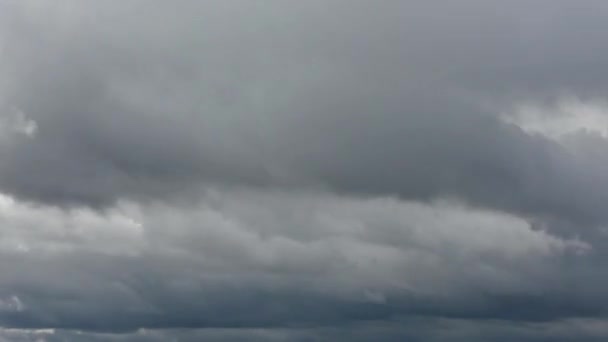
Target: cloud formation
{"type": "Point", "coordinates": [295, 170]}
{"type": "Point", "coordinates": [270, 259]}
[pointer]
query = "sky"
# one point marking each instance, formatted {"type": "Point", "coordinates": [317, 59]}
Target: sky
{"type": "Point", "coordinates": [321, 170]}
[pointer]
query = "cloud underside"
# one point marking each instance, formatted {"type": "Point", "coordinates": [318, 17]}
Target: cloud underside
{"type": "Point", "coordinates": [303, 171]}
{"type": "Point", "coordinates": [274, 260]}
{"type": "Point", "coordinates": [412, 329]}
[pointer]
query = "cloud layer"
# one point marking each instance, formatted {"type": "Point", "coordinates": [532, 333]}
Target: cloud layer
{"type": "Point", "coordinates": [271, 259]}
{"type": "Point", "coordinates": [295, 171]}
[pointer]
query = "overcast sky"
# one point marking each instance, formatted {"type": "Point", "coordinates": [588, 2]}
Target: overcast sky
{"type": "Point", "coordinates": [320, 170]}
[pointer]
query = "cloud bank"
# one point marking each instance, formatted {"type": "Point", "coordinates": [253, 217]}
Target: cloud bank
{"type": "Point", "coordinates": [302, 171]}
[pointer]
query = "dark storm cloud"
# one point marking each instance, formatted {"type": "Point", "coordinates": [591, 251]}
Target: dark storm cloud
{"type": "Point", "coordinates": [413, 329]}
{"type": "Point", "coordinates": [144, 99]}
{"type": "Point", "coordinates": [198, 132]}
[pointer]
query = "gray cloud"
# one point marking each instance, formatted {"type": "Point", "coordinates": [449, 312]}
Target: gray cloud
{"type": "Point", "coordinates": [414, 329]}
{"type": "Point", "coordinates": [312, 164]}
{"type": "Point", "coordinates": [387, 99]}
{"type": "Point", "coordinates": [277, 260]}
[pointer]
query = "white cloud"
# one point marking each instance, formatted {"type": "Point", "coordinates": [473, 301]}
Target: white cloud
{"type": "Point", "coordinates": [14, 121]}
{"type": "Point", "coordinates": [566, 116]}
{"type": "Point", "coordinates": [38, 229]}
{"type": "Point", "coordinates": [11, 304]}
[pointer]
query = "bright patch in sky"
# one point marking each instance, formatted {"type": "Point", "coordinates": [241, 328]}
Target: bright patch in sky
{"type": "Point", "coordinates": [566, 116]}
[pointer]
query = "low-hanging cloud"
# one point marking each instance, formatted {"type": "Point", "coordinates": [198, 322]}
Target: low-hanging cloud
{"type": "Point", "coordinates": [269, 166]}
{"type": "Point", "coordinates": [269, 260]}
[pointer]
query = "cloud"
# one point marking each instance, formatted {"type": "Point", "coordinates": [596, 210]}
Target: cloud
{"type": "Point", "coordinates": [125, 107]}
{"type": "Point", "coordinates": [567, 117]}
{"type": "Point", "coordinates": [17, 123]}
{"type": "Point", "coordinates": [195, 164]}
{"type": "Point", "coordinates": [414, 329]}
{"type": "Point", "coordinates": [276, 261]}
